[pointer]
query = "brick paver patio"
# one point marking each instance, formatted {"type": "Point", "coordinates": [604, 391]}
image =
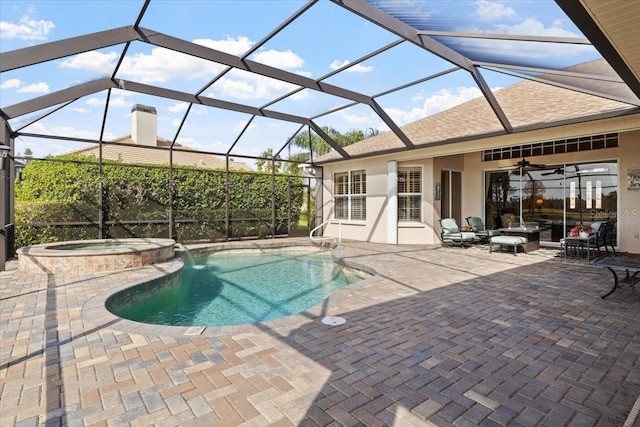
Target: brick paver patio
{"type": "Point", "coordinates": [440, 336]}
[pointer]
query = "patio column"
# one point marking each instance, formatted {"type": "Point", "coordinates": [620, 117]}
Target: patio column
{"type": "Point", "coordinates": [392, 202]}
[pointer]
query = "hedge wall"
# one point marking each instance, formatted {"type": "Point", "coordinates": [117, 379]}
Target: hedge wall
{"type": "Point", "coordinates": [65, 190]}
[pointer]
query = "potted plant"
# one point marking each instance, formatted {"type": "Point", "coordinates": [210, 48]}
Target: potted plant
{"type": "Point", "coordinates": [581, 230]}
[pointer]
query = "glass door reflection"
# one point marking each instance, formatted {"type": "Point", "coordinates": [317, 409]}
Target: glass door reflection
{"type": "Point", "coordinates": [555, 198]}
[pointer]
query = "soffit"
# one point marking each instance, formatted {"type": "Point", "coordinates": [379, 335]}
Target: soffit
{"type": "Point", "coordinates": [619, 20]}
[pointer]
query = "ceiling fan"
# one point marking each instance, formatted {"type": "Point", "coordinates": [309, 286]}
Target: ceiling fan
{"type": "Point", "coordinates": [524, 165]}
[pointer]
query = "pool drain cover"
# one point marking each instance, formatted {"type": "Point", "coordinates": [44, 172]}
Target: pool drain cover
{"type": "Point", "coordinates": [333, 320]}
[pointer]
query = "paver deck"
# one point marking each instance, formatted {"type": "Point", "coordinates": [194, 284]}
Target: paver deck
{"type": "Point", "coordinates": [440, 336]}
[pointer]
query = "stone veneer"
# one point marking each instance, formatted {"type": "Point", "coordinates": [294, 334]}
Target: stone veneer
{"type": "Point", "coordinates": [139, 252]}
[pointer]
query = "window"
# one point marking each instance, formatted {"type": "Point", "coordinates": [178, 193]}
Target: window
{"type": "Point", "coordinates": [584, 143]}
{"type": "Point", "coordinates": [350, 193]}
{"type": "Point", "coordinates": [409, 194]}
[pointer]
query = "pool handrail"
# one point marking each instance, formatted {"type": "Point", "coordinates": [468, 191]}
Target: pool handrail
{"type": "Point", "coordinates": [329, 221]}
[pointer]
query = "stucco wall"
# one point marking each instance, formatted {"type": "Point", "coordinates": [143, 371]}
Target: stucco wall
{"type": "Point", "coordinates": [374, 229]}
{"type": "Point", "coordinates": [629, 201]}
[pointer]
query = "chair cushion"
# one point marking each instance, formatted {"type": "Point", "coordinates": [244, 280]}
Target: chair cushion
{"type": "Point", "coordinates": [464, 235]}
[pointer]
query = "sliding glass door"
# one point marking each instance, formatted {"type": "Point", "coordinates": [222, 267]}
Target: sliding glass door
{"type": "Point", "coordinates": [554, 197]}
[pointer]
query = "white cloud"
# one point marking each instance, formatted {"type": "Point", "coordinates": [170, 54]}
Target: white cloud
{"type": "Point", "coordinates": [355, 118]}
{"type": "Point", "coordinates": [234, 46]}
{"type": "Point", "coordinates": [117, 100]}
{"type": "Point", "coordinates": [95, 62]}
{"type": "Point", "coordinates": [358, 68]}
{"type": "Point", "coordinates": [304, 73]}
{"type": "Point", "coordinates": [161, 65]}
{"type": "Point", "coordinates": [243, 85]}
{"type": "Point", "coordinates": [285, 60]}
{"type": "Point", "coordinates": [43, 147]}
{"type": "Point", "coordinates": [178, 107]}
{"type": "Point", "coordinates": [26, 28]}
{"type": "Point", "coordinates": [494, 10]}
{"type": "Point", "coordinates": [301, 95]}
{"type": "Point", "coordinates": [199, 109]}
{"type": "Point", "coordinates": [11, 84]}
{"type": "Point", "coordinates": [528, 27]}
{"type": "Point", "coordinates": [80, 110]}
{"type": "Point", "coordinates": [239, 125]}
{"type": "Point", "coordinates": [195, 144]}
{"type": "Point", "coordinates": [158, 66]}
{"type": "Point", "coordinates": [439, 101]}
{"type": "Point", "coordinates": [533, 27]}
{"type": "Point", "coordinates": [40, 87]}
{"type": "Point", "coordinates": [235, 88]}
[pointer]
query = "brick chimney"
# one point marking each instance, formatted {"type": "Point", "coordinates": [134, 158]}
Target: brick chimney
{"type": "Point", "coordinates": [144, 125]}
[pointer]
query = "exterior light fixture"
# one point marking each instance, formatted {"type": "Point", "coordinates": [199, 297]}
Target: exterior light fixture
{"type": "Point", "coordinates": [4, 153]}
{"type": "Point", "coordinates": [19, 165]}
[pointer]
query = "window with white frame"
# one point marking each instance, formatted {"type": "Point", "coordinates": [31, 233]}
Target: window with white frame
{"type": "Point", "coordinates": [350, 195]}
{"type": "Point", "coordinates": [410, 194]}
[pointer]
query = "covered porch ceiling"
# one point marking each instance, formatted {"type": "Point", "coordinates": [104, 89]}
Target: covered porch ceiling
{"type": "Point", "coordinates": [434, 49]}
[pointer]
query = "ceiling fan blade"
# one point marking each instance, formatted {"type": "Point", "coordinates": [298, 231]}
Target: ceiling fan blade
{"type": "Point", "coordinates": [558, 171]}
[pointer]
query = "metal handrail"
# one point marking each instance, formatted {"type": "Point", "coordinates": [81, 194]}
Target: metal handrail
{"type": "Point", "coordinates": [329, 221]}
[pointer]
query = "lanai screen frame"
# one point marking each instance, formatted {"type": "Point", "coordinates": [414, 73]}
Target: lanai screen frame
{"type": "Point", "coordinates": [403, 28]}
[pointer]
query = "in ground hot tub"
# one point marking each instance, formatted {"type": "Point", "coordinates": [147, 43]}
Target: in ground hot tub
{"type": "Point", "coordinates": [94, 256]}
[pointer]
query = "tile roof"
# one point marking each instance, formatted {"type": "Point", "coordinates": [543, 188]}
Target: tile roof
{"type": "Point", "coordinates": [525, 104]}
{"type": "Point", "coordinates": [125, 150]}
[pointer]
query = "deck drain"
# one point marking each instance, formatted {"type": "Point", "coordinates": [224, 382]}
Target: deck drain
{"type": "Point", "coordinates": [633, 415]}
{"type": "Point", "coordinates": [333, 320]}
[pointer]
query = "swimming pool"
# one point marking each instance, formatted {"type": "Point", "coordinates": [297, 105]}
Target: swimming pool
{"type": "Point", "coordinates": [233, 288]}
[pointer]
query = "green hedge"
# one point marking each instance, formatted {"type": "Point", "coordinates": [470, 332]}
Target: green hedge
{"type": "Point", "coordinates": [66, 189]}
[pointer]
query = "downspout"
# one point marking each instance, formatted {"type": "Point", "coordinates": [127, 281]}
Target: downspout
{"type": "Point", "coordinates": [392, 202]}
{"type": "Point", "coordinates": [273, 198]}
{"type": "Point", "coordinates": [227, 189]}
{"type": "Point", "coordinates": [172, 189]}
{"type": "Point", "coordinates": [101, 201]}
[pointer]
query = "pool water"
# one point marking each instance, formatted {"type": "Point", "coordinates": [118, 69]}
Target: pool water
{"type": "Point", "coordinates": [239, 288]}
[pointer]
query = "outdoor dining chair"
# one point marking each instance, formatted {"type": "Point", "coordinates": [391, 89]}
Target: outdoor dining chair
{"type": "Point", "coordinates": [449, 232]}
{"type": "Point", "coordinates": [479, 228]}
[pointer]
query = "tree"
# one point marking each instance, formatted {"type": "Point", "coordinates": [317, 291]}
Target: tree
{"type": "Point", "coordinates": [263, 164]}
{"type": "Point", "coordinates": [314, 145]}
{"type": "Point", "coordinates": [28, 153]}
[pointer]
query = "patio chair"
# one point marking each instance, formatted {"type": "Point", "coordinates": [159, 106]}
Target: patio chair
{"type": "Point", "coordinates": [598, 239]}
{"type": "Point", "coordinates": [610, 236]}
{"type": "Point", "coordinates": [603, 236]}
{"type": "Point", "coordinates": [481, 231]}
{"type": "Point", "coordinates": [449, 232]}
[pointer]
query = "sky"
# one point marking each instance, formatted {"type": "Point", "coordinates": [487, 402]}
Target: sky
{"type": "Point", "coordinates": [323, 39]}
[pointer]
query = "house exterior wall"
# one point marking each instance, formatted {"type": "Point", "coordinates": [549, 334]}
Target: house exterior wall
{"type": "Point", "coordinates": [434, 161]}
{"type": "Point", "coordinates": [629, 201]}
